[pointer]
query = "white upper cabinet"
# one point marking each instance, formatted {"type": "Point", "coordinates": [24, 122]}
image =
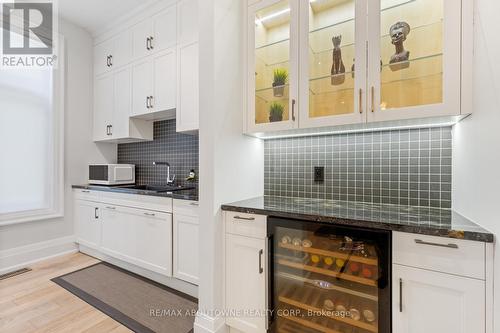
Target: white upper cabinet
{"type": "Point", "coordinates": [142, 87]}
{"type": "Point", "coordinates": [327, 63]}
{"type": "Point", "coordinates": [419, 44]}
{"type": "Point", "coordinates": [113, 53]}
{"type": "Point", "coordinates": [103, 107]}
{"type": "Point", "coordinates": [155, 33]}
{"type": "Point", "coordinates": [273, 36]}
{"type": "Point", "coordinates": [187, 27]}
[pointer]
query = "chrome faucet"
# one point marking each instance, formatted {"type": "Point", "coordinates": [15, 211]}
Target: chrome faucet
{"type": "Point", "coordinates": [170, 181]}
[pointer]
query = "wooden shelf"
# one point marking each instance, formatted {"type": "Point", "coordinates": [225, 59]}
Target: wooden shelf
{"type": "Point", "coordinates": [326, 253]}
{"type": "Point", "coordinates": [309, 324]}
{"type": "Point", "coordinates": [345, 320]}
{"type": "Point", "coordinates": [328, 272]}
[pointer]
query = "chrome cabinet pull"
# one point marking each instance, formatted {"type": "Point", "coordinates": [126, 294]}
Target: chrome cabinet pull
{"type": "Point", "coordinates": [373, 99]}
{"type": "Point", "coordinates": [151, 101]}
{"type": "Point", "coordinates": [194, 204]}
{"type": "Point", "coordinates": [149, 214]}
{"type": "Point", "coordinates": [147, 102]}
{"type": "Point", "coordinates": [107, 61]}
{"type": "Point", "coordinates": [293, 109]}
{"type": "Point", "coordinates": [95, 213]}
{"type": "Point", "coordinates": [244, 218]}
{"type": "Point", "coordinates": [85, 191]}
{"type": "Point", "coordinates": [360, 100]}
{"type": "Point", "coordinates": [449, 245]}
{"type": "Point", "coordinates": [400, 295]}
{"type": "Point", "coordinates": [147, 44]}
{"type": "Point", "coordinates": [151, 43]}
{"type": "Point", "coordinates": [110, 129]}
{"type": "Point", "coordinates": [261, 270]}
{"type": "Point", "coordinates": [111, 60]}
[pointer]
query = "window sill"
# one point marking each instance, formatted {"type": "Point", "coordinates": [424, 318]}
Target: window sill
{"type": "Point", "coordinates": [26, 218]}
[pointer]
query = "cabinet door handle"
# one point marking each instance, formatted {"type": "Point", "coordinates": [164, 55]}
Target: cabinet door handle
{"type": "Point", "coordinates": [110, 129]}
{"type": "Point", "coordinates": [400, 295]}
{"type": "Point", "coordinates": [147, 44]}
{"type": "Point", "coordinates": [244, 218]}
{"type": "Point", "coordinates": [111, 60]}
{"type": "Point", "coordinates": [147, 102]}
{"type": "Point", "coordinates": [107, 130]}
{"type": "Point", "coordinates": [449, 245]}
{"type": "Point", "coordinates": [261, 269]}
{"type": "Point", "coordinates": [149, 214]}
{"type": "Point", "coordinates": [107, 61]}
{"type": "Point", "coordinates": [110, 207]}
{"type": "Point", "coordinates": [360, 100]}
{"type": "Point", "coordinates": [151, 42]}
{"type": "Point", "coordinates": [151, 102]}
{"type": "Point", "coordinates": [373, 99]}
{"type": "Point", "coordinates": [95, 213]}
{"type": "Point", "coordinates": [293, 109]}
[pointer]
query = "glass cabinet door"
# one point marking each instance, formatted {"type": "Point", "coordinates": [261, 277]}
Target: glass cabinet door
{"type": "Point", "coordinates": [333, 62]}
{"type": "Point", "coordinates": [272, 65]}
{"type": "Point", "coordinates": [414, 59]}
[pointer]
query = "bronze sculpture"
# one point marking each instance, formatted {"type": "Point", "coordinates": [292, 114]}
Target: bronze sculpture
{"type": "Point", "coordinates": [398, 33]}
{"type": "Point", "coordinates": [338, 68]}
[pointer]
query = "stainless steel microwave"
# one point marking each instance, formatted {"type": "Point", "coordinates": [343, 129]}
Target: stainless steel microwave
{"type": "Point", "coordinates": [111, 174]}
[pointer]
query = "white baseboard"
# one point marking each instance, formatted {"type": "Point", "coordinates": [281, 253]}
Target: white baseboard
{"type": "Point", "coordinates": [23, 256]}
{"type": "Point", "coordinates": [206, 324]}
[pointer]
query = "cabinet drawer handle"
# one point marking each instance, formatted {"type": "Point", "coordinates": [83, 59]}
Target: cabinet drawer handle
{"type": "Point", "coordinates": [261, 270]}
{"type": "Point", "coordinates": [244, 218]}
{"type": "Point", "coordinates": [85, 191]}
{"type": "Point", "coordinates": [450, 245]}
{"type": "Point", "coordinates": [194, 204]}
{"type": "Point", "coordinates": [110, 207]}
{"type": "Point", "coordinates": [400, 295]}
{"type": "Point", "coordinates": [149, 214]}
{"type": "Point", "coordinates": [360, 100]}
{"type": "Point", "coordinates": [373, 99]}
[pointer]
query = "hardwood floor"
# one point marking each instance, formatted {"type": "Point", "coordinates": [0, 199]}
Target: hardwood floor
{"type": "Point", "coordinates": [32, 303]}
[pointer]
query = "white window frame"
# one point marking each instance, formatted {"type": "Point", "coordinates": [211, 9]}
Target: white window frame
{"type": "Point", "coordinates": [56, 210]}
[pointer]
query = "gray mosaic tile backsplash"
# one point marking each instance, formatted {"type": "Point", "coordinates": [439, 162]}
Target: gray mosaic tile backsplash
{"type": "Point", "coordinates": [406, 167]}
{"type": "Point", "coordinates": [180, 150]}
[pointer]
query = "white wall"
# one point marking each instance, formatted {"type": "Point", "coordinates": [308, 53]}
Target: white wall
{"type": "Point", "coordinates": [231, 164]}
{"type": "Point", "coordinates": [79, 149]}
{"type": "Point", "coordinates": [476, 161]}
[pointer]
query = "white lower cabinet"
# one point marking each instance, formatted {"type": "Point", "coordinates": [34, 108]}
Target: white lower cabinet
{"type": "Point", "coordinates": [87, 223]}
{"type": "Point", "coordinates": [246, 277]}
{"type": "Point", "coordinates": [433, 302]}
{"type": "Point", "coordinates": [186, 248]}
{"type": "Point", "coordinates": [141, 237]}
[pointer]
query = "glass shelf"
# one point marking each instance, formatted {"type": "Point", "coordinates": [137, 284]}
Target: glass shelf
{"type": "Point", "coordinates": [418, 68]}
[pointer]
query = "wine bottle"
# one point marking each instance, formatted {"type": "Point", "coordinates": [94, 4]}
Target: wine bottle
{"type": "Point", "coordinates": [367, 272]}
{"type": "Point", "coordinates": [354, 268]}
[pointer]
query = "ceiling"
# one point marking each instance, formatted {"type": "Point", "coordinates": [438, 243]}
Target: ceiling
{"type": "Point", "coordinates": [93, 15]}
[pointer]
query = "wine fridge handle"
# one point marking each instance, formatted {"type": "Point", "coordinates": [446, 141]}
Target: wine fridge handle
{"type": "Point", "coordinates": [450, 245]}
{"type": "Point", "coordinates": [360, 100]}
{"type": "Point", "coordinates": [261, 269]}
{"type": "Point", "coordinates": [400, 295]}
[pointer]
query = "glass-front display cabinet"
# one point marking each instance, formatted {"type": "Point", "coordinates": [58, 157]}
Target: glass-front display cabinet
{"type": "Point", "coordinates": [419, 46]}
{"type": "Point", "coordinates": [314, 63]}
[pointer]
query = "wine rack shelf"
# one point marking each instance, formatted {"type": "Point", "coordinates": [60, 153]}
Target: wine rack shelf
{"type": "Point", "coordinates": [345, 320]}
{"type": "Point", "coordinates": [328, 272]}
{"type": "Point", "coordinates": [333, 254]}
{"type": "Point", "coordinates": [309, 324]}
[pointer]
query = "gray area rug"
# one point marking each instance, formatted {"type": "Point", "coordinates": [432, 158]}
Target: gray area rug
{"type": "Point", "coordinates": [136, 302]}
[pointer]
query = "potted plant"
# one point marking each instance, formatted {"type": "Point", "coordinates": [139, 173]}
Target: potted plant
{"type": "Point", "coordinates": [279, 81]}
{"type": "Point", "coordinates": [276, 112]}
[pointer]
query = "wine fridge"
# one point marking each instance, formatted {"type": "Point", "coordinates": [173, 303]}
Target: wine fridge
{"type": "Point", "coordinates": [326, 278]}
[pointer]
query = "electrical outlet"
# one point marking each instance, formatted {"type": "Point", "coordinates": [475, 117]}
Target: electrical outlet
{"type": "Point", "coordinates": [319, 174]}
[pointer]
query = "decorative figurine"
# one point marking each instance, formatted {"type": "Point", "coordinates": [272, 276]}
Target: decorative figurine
{"type": "Point", "coordinates": [398, 32]}
{"type": "Point", "coordinates": [338, 68]}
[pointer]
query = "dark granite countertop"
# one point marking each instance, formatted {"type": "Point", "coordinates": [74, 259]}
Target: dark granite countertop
{"type": "Point", "coordinates": [419, 220]}
{"type": "Point", "coordinates": [189, 194]}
